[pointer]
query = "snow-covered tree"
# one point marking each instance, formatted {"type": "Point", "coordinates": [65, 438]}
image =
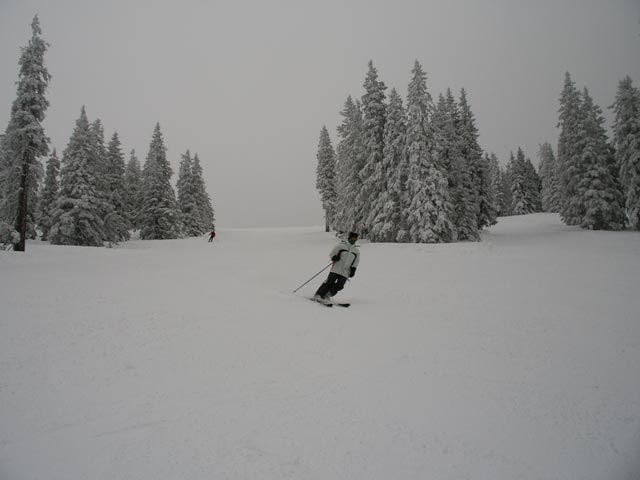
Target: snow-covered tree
{"type": "Point", "coordinates": [160, 215]}
{"type": "Point", "coordinates": [25, 141]}
{"type": "Point", "coordinates": [187, 199]}
{"type": "Point", "coordinates": [325, 176]}
{"type": "Point", "coordinates": [525, 185]}
{"type": "Point", "coordinates": [569, 155]}
{"type": "Point", "coordinates": [77, 217]}
{"type": "Point", "coordinates": [548, 171]}
{"type": "Point", "coordinates": [49, 194]}
{"type": "Point", "coordinates": [626, 140]}
{"type": "Point", "coordinates": [133, 190]}
{"type": "Point", "coordinates": [428, 212]}
{"type": "Point", "coordinates": [385, 220]}
{"type": "Point", "coordinates": [598, 190]}
{"type": "Point", "coordinates": [495, 180]}
{"type": "Point", "coordinates": [203, 200]}
{"type": "Point", "coordinates": [506, 195]}
{"type": "Point", "coordinates": [472, 153]}
{"type": "Point", "coordinates": [374, 113]}
{"type": "Point", "coordinates": [117, 221]}
{"type": "Point", "coordinates": [487, 192]}
{"type": "Point", "coordinates": [453, 153]}
{"type": "Point", "coordinates": [349, 163]}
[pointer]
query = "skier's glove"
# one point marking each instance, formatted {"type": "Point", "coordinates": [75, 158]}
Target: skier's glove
{"type": "Point", "coordinates": [336, 257]}
{"type": "Point", "coordinates": [353, 271]}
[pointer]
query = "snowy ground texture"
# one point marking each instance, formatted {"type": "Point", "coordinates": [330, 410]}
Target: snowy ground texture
{"type": "Point", "coordinates": [514, 358]}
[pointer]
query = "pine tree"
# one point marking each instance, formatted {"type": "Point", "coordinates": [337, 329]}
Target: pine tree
{"type": "Point", "coordinates": [385, 220]}
{"type": "Point", "coordinates": [186, 198]}
{"type": "Point", "coordinates": [77, 216]}
{"type": "Point", "coordinates": [374, 113]}
{"type": "Point", "coordinates": [116, 222]}
{"type": "Point", "coordinates": [325, 176]}
{"type": "Point", "coordinates": [506, 181]}
{"type": "Point", "coordinates": [550, 195]}
{"type": "Point", "coordinates": [472, 153]}
{"type": "Point", "coordinates": [25, 140]}
{"type": "Point", "coordinates": [160, 215]}
{"type": "Point", "coordinates": [533, 186]}
{"type": "Point", "coordinates": [626, 140]}
{"type": "Point", "coordinates": [525, 185]}
{"type": "Point", "coordinates": [495, 180]}
{"type": "Point", "coordinates": [453, 153]}
{"type": "Point", "coordinates": [487, 192]}
{"type": "Point", "coordinates": [569, 155]}
{"type": "Point", "coordinates": [49, 194]}
{"type": "Point", "coordinates": [428, 212]}
{"type": "Point", "coordinates": [350, 160]}
{"type": "Point", "coordinates": [133, 190]}
{"type": "Point", "coordinates": [203, 200]}
{"type": "Point", "coordinates": [598, 191]}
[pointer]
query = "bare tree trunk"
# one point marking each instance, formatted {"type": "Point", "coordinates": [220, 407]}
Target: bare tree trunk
{"type": "Point", "coordinates": [21, 215]}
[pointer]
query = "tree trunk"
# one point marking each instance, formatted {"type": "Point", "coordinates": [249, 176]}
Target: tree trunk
{"type": "Point", "coordinates": [21, 215]}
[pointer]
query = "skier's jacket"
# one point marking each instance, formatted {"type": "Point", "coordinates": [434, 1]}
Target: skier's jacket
{"type": "Point", "coordinates": [349, 258]}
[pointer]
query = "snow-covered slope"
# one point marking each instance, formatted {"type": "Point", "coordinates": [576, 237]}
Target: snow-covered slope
{"type": "Point", "coordinates": [513, 358]}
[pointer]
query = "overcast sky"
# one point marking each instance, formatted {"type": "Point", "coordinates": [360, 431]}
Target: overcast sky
{"type": "Point", "coordinates": [249, 84]}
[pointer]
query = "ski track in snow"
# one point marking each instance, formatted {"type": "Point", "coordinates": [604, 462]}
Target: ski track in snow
{"type": "Point", "coordinates": [514, 357]}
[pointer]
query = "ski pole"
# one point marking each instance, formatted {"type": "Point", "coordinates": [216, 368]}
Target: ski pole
{"type": "Point", "coordinates": [312, 277]}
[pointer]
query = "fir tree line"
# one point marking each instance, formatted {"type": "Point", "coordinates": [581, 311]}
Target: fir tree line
{"type": "Point", "coordinates": [432, 182]}
{"type": "Point", "coordinates": [90, 196]}
{"type": "Point", "coordinates": [413, 173]}
{"type": "Point", "coordinates": [591, 181]}
{"type": "Point", "coordinates": [102, 197]}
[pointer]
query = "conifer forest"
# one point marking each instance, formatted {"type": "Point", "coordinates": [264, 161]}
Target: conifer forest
{"type": "Point", "coordinates": [404, 169]}
{"type": "Point", "coordinates": [413, 171]}
{"type": "Point", "coordinates": [91, 195]}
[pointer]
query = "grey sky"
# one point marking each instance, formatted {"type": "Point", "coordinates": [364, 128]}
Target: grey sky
{"type": "Point", "coordinates": [249, 84]}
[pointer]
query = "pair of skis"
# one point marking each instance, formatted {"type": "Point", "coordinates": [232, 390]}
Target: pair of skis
{"type": "Point", "coordinates": [327, 303]}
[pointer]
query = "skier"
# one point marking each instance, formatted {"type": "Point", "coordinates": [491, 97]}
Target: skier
{"type": "Point", "coordinates": [346, 257]}
{"type": "Point", "coordinates": [212, 235]}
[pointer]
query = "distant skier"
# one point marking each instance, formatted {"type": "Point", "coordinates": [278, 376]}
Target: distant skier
{"type": "Point", "coordinates": [346, 257]}
{"type": "Point", "coordinates": [212, 235]}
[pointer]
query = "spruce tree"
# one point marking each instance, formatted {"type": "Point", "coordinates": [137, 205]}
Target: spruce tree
{"type": "Point", "coordinates": [160, 215]}
{"type": "Point", "coordinates": [428, 212]}
{"type": "Point", "coordinates": [569, 155]}
{"type": "Point", "coordinates": [495, 180]}
{"type": "Point", "coordinates": [350, 160]}
{"type": "Point", "coordinates": [186, 198]}
{"type": "Point", "coordinates": [626, 140]}
{"type": "Point", "coordinates": [385, 220]}
{"type": "Point", "coordinates": [117, 221]}
{"type": "Point", "coordinates": [472, 153]}
{"type": "Point", "coordinates": [506, 182]}
{"type": "Point", "coordinates": [525, 185]}
{"type": "Point", "coordinates": [374, 113]}
{"type": "Point", "coordinates": [598, 191]}
{"type": "Point", "coordinates": [325, 177]}
{"type": "Point", "coordinates": [77, 217]}
{"type": "Point", "coordinates": [98, 160]}
{"type": "Point", "coordinates": [25, 140]}
{"type": "Point", "coordinates": [49, 194]}
{"type": "Point", "coordinates": [203, 200]}
{"type": "Point", "coordinates": [133, 190]}
{"type": "Point", "coordinates": [487, 192]}
{"type": "Point", "coordinates": [550, 194]}
{"type": "Point", "coordinates": [453, 154]}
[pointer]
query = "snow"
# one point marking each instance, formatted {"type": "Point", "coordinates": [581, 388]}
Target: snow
{"type": "Point", "coordinates": [513, 358]}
